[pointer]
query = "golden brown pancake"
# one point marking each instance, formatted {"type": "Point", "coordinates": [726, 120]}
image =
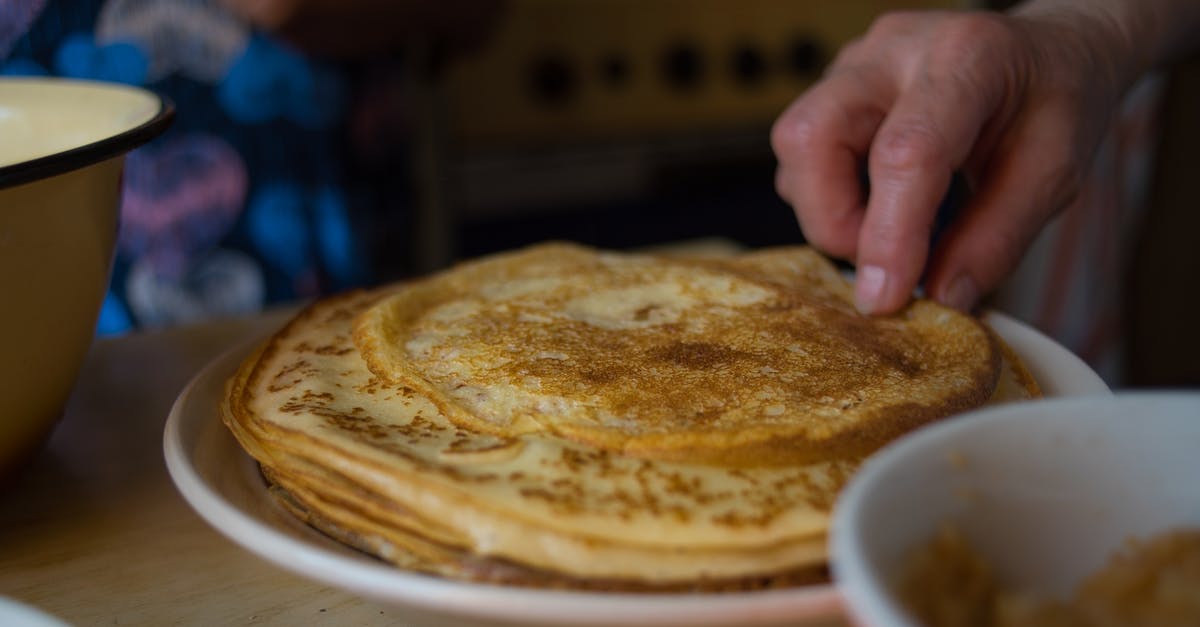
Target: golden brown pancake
{"type": "Point", "coordinates": [756, 359]}
{"type": "Point", "coordinates": [309, 410]}
{"type": "Point", "coordinates": [374, 461]}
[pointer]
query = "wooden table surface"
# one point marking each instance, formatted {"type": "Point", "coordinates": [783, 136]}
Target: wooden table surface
{"type": "Point", "coordinates": [93, 531]}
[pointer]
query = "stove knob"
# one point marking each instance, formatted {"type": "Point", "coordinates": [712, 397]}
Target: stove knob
{"type": "Point", "coordinates": [552, 80]}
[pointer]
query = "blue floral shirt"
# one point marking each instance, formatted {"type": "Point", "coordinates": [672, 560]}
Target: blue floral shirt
{"type": "Point", "coordinates": [242, 201]}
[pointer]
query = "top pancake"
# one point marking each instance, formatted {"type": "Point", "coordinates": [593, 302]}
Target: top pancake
{"type": "Point", "coordinates": [758, 359]}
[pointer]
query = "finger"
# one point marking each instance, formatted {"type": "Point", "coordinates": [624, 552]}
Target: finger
{"type": "Point", "coordinates": [1023, 190]}
{"type": "Point", "coordinates": [924, 139]}
{"type": "Point", "coordinates": [821, 142]}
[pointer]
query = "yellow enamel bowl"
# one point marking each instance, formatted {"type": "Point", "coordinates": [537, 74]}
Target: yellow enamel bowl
{"type": "Point", "coordinates": [62, 149]}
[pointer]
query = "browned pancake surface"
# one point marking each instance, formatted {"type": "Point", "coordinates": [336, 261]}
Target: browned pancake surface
{"type": "Point", "coordinates": [757, 359]}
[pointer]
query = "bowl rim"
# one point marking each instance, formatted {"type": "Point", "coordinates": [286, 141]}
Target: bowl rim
{"type": "Point", "coordinates": [88, 154]}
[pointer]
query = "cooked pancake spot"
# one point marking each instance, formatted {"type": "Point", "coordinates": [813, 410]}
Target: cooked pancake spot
{"type": "Point", "coordinates": [643, 314]}
{"type": "Point", "coordinates": [698, 355]}
{"type": "Point", "coordinates": [476, 450]}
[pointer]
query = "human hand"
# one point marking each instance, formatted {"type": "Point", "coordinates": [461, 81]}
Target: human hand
{"type": "Point", "coordinates": [1017, 103]}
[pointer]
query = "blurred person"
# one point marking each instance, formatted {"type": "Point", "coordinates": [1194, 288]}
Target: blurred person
{"type": "Point", "coordinates": [246, 199]}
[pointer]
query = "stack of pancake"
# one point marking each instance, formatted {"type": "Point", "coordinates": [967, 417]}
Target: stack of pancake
{"type": "Point", "coordinates": [564, 417]}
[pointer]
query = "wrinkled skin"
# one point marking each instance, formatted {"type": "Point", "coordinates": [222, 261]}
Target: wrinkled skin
{"type": "Point", "coordinates": [1017, 103]}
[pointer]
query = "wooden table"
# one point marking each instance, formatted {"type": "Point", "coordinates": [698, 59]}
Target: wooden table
{"type": "Point", "coordinates": [93, 531]}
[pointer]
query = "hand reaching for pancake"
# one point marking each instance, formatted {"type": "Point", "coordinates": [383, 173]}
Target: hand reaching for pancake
{"type": "Point", "coordinates": [1018, 103]}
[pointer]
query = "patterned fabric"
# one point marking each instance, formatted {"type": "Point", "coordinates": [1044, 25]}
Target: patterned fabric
{"type": "Point", "coordinates": [1071, 283]}
{"type": "Point", "coordinates": [242, 202]}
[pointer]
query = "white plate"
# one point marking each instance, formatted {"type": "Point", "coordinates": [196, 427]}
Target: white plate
{"type": "Point", "coordinates": [222, 483]}
{"type": "Point", "coordinates": [14, 612]}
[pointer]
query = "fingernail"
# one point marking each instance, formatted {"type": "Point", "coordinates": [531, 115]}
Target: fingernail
{"type": "Point", "coordinates": [868, 288]}
{"type": "Point", "coordinates": [961, 294]}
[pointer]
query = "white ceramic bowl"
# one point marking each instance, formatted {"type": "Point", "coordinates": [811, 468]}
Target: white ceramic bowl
{"type": "Point", "coordinates": [62, 147]}
{"type": "Point", "coordinates": [1044, 491]}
